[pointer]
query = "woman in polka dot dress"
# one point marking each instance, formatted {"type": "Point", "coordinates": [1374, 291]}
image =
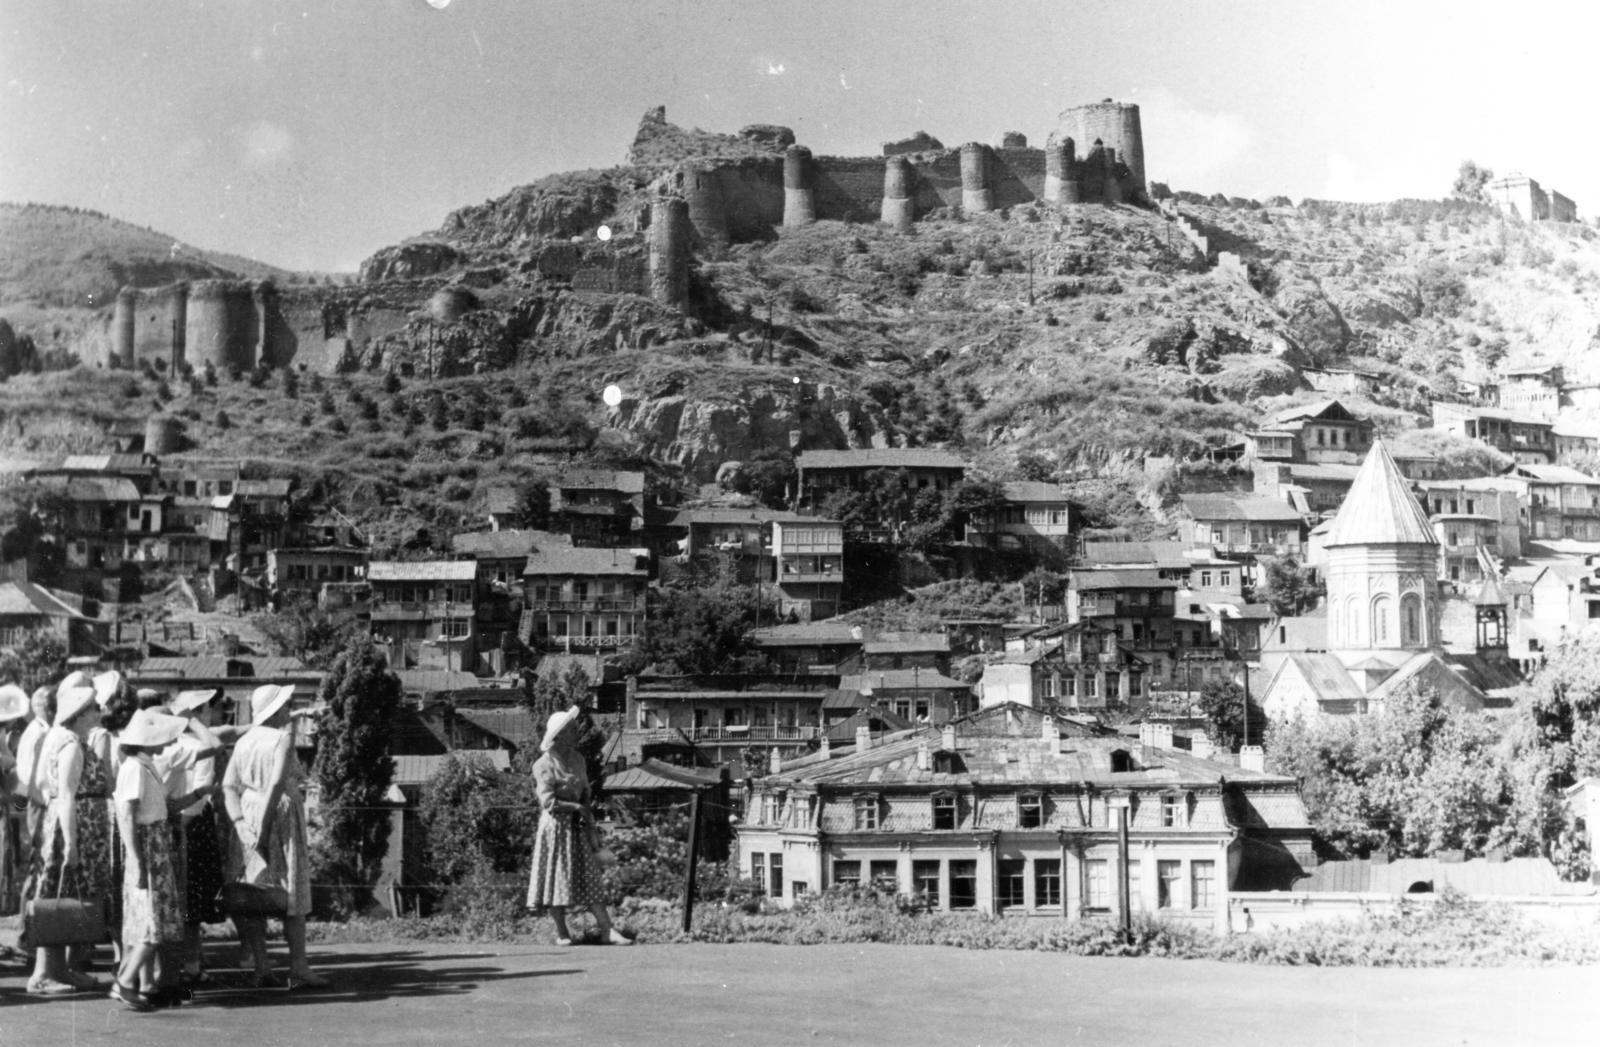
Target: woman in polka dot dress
{"type": "Point", "coordinates": [566, 870]}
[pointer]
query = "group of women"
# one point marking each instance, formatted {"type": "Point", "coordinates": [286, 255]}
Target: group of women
{"type": "Point", "coordinates": [141, 805]}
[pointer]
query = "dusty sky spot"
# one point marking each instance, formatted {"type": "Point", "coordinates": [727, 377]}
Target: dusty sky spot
{"type": "Point", "coordinates": [266, 143]}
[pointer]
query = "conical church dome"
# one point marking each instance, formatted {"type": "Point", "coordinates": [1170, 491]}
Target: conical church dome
{"type": "Point", "coordinates": [1380, 508]}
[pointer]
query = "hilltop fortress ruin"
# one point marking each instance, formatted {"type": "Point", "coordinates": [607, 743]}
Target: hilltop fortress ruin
{"type": "Point", "coordinates": [691, 192]}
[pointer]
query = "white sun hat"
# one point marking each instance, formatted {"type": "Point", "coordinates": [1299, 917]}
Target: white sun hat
{"type": "Point", "coordinates": [558, 722]}
{"type": "Point", "coordinates": [151, 729]}
{"type": "Point", "coordinates": [268, 699]}
{"type": "Point", "coordinates": [14, 703]}
{"type": "Point", "coordinates": [70, 703]}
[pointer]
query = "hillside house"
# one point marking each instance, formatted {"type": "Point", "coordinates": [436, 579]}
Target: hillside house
{"type": "Point", "coordinates": [1241, 527]}
{"type": "Point", "coordinates": [1527, 439]}
{"type": "Point", "coordinates": [573, 597]}
{"type": "Point", "coordinates": [1078, 667]}
{"type": "Point", "coordinates": [1310, 489]}
{"type": "Point", "coordinates": [27, 608]}
{"type": "Point", "coordinates": [423, 613]}
{"type": "Point", "coordinates": [808, 566]}
{"type": "Point", "coordinates": [1006, 812]}
{"type": "Point", "coordinates": [598, 506]}
{"type": "Point", "coordinates": [822, 473]}
{"type": "Point", "coordinates": [807, 647]}
{"type": "Point", "coordinates": [916, 695]}
{"type": "Point", "coordinates": [1558, 502]}
{"type": "Point", "coordinates": [306, 571]}
{"type": "Point", "coordinates": [1032, 512]}
{"type": "Point", "coordinates": [723, 714]}
{"type": "Point", "coordinates": [1324, 431]}
{"type": "Point", "coordinates": [1533, 390]}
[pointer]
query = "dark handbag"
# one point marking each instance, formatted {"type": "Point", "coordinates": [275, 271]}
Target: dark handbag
{"type": "Point", "coordinates": [249, 900]}
{"type": "Point", "coordinates": [52, 922]}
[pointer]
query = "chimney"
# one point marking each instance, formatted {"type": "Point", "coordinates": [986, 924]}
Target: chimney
{"type": "Point", "coordinates": [825, 748]}
{"type": "Point", "coordinates": [1252, 758]}
{"type": "Point", "coordinates": [1052, 733]}
{"type": "Point", "coordinates": [863, 738]}
{"type": "Point", "coordinates": [1147, 734]}
{"type": "Point", "coordinates": [924, 758]}
{"type": "Point", "coordinates": [1161, 735]}
{"type": "Point", "coordinates": [775, 762]}
{"type": "Point", "coordinates": [1201, 747]}
{"type": "Point", "coordinates": [947, 738]}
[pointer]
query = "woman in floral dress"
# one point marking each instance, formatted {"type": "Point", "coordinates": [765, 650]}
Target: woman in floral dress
{"type": "Point", "coordinates": [566, 870]}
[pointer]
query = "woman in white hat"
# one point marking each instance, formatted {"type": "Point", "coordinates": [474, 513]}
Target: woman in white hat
{"type": "Point", "coordinates": [29, 746]}
{"type": "Point", "coordinates": [262, 792]}
{"type": "Point", "coordinates": [75, 859]}
{"type": "Point", "coordinates": [150, 909]}
{"type": "Point", "coordinates": [193, 766]}
{"type": "Point", "coordinates": [566, 869]}
{"type": "Point", "coordinates": [13, 711]}
{"type": "Point", "coordinates": [117, 705]}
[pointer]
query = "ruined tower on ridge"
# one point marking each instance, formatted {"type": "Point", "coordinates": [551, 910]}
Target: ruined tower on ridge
{"type": "Point", "coordinates": [1113, 124]}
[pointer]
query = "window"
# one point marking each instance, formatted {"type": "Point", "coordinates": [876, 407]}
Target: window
{"type": "Point", "coordinates": [1224, 578]}
{"type": "Point", "coordinates": [944, 812]}
{"type": "Point", "coordinates": [775, 866]}
{"type": "Point", "coordinates": [1046, 881]}
{"type": "Point", "coordinates": [886, 875]}
{"type": "Point", "coordinates": [1380, 620]}
{"type": "Point", "coordinates": [1202, 884]}
{"type": "Point", "coordinates": [925, 881]}
{"type": "Point", "coordinates": [1171, 812]}
{"type": "Point", "coordinates": [1167, 883]}
{"type": "Point", "coordinates": [847, 874]}
{"type": "Point", "coordinates": [866, 812]}
{"type": "Point", "coordinates": [1135, 885]}
{"type": "Point", "coordinates": [758, 871]}
{"type": "Point", "coordinates": [1047, 685]}
{"type": "Point", "coordinates": [1069, 687]}
{"type": "Point", "coordinates": [769, 809]}
{"type": "Point", "coordinates": [1097, 883]}
{"type": "Point", "coordinates": [1205, 579]}
{"type": "Point", "coordinates": [1010, 877]}
{"type": "Point", "coordinates": [1030, 811]}
{"type": "Point", "coordinates": [456, 628]}
{"type": "Point", "coordinates": [963, 884]}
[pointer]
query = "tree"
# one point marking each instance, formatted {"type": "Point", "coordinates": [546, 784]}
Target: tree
{"type": "Point", "coordinates": [533, 506]}
{"type": "Point", "coordinates": [545, 695]}
{"type": "Point", "coordinates": [1287, 586]}
{"type": "Point", "coordinates": [291, 383]}
{"type": "Point", "coordinates": [301, 629]}
{"type": "Point", "coordinates": [1471, 183]}
{"type": "Point", "coordinates": [476, 818]}
{"type": "Point", "coordinates": [361, 698]}
{"type": "Point", "coordinates": [704, 628]}
{"type": "Point", "coordinates": [391, 382]}
{"type": "Point", "coordinates": [39, 659]}
{"type": "Point", "coordinates": [769, 475]}
{"type": "Point", "coordinates": [1221, 702]}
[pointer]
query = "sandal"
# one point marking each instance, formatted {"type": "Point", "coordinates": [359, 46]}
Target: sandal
{"type": "Point", "coordinates": [308, 979]}
{"type": "Point", "coordinates": [267, 980]}
{"type": "Point", "coordinates": [616, 937]}
{"type": "Point", "coordinates": [132, 997]}
{"type": "Point", "coordinates": [563, 941]}
{"type": "Point", "coordinates": [50, 987]}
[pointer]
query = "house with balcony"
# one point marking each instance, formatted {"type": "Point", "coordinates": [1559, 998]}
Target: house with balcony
{"type": "Point", "coordinates": [1033, 512]}
{"type": "Point", "coordinates": [1558, 502]}
{"type": "Point", "coordinates": [598, 506]}
{"type": "Point", "coordinates": [1478, 523]}
{"type": "Point", "coordinates": [916, 695]}
{"type": "Point", "coordinates": [742, 535]}
{"type": "Point", "coordinates": [1533, 390]}
{"type": "Point", "coordinates": [807, 565]}
{"type": "Point", "coordinates": [808, 647]}
{"type": "Point", "coordinates": [1325, 431]}
{"type": "Point", "coordinates": [1241, 527]}
{"type": "Point", "coordinates": [577, 598]}
{"type": "Point", "coordinates": [1074, 667]}
{"type": "Point", "coordinates": [1311, 489]}
{"type": "Point", "coordinates": [304, 572]}
{"type": "Point", "coordinates": [1011, 811]}
{"type": "Point", "coordinates": [1527, 439]}
{"type": "Point", "coordinates": [723, 714]}
{"type": "Point", "coordinates": [422, 613]}
{"type": "Point", "coordinates": [100, 516]}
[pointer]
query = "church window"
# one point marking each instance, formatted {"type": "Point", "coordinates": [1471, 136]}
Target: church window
{"type": "Point", "coordinates": [1411, 615]}
{"type": "Point", "coordinates": [1380, 620]}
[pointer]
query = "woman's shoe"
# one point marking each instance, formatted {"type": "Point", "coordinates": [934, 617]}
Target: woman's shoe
{"type": "Point", "coordinates": [308, 979]}
{"type": "Point", "coordinates": [132, 997]}
{"type": "Point", "coordinates": [264, 980]}
{"type": "Point", "coordinates": [616, 937]}
{"type": "Point", "coordinates": [50, 987]}
{"type": "Point", "coordinates": [86, 982]}
{"type": "Point", "coordinates": [170, 996]}
{"type": "Point", "coordinates": [563, 941]}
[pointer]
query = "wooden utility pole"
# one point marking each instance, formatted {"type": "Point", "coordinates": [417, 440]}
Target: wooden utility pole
{"type": "Point", "coordinates": [694, 860]}
{"type": "Point", "coordinates": [1124, 913]}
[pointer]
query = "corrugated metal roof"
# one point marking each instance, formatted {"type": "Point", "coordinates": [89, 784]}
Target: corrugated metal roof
{"type": "Point", "coordinates": [1119, 578]}
{"type": "Point", "coordinates": [1167, 554]}
{"type": "Point", "coordinates": [654, 774]}
{"type": "Point", "coordinates": [513, 723]}
{"type": "Point", "coordinates": [600, 480]}
{"type": "Point", "coordinates": [880, 458]}
{"type": "Point", "coordinates": [908, 643]}
{"type": "Point", "coordinates": [417, 770]}
{"type": "Point", "coordinates": [437, 680]}
{"type": "Point", "coordinates": [1033, 491]}
{"type": "Point", "coordinates": [1326, 675]}
{"type": "Point", "coordinates": [495, 545]}
{"type": "Point", "coordinates": [1380, 508]}
{"type": "Point", "coordinates": [806, 633]}
{"type": "Point", "coordinates": [580, 561]}
{"type": "Point", "coordinates": [898, 679]}
{"type": "Point", "coordinates": [1253, 508]}
{"type": "Point", "coordinates": [215, 667]}
{"type": "Point", "coordinates": [422, 571]}
{"type": "Point", "coordinates": [1514, 878]}
{"type": "Point", "coordinates": [25, 598]}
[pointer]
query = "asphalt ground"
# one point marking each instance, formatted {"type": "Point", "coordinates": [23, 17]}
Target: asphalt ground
{"type": "Point", "coordinates": [878, 994]}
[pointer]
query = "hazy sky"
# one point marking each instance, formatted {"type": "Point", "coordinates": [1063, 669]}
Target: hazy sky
{"type": "Point", "coordinates": [310, 134]}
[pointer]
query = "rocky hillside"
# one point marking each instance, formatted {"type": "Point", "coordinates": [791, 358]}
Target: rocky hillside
{"type": "Point", "coordinates": [1040, 344]}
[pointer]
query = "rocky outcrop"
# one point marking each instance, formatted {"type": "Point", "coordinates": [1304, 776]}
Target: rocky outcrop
{"type": "Point", "coordinates": [561, 206]}
{"type": "Point", "coordinates": [658, 145]}
{"type": "Point", "coordinates": [410, 262]}
{"type": "Point", "coordinates": [700, 432]}
{"type": "Point", "coordinates": [1311, 318]}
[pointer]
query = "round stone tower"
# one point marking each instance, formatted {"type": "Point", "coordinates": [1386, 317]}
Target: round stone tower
{"type": "Point", "coordinates": [1114, 123]}
{"type": "Point", "coordinates": [669, 252]}
{"type": "Point", "coordinates": [1112, 185]}
{"type": "Point", "coordinates": [898, 206]}
{"type": "Point", "coordinates": [708, 212]}
{"type": "Point", "coordinates": [975, 192]}
{"type": "Point", "coordinates": [162, 435]}
{"type": "Point", "coordinates": [122, 325]}
{"type": "Point", "coordinates": [449, 304]}
{"type": "Point", "coordinates": [1060, 171]}
{"type": "Point", "coordinates": [799, 205]}
{"type": "Point", "coordinates": [220, 325]}
{"type": "Point", "coordinates": [1383, 564]}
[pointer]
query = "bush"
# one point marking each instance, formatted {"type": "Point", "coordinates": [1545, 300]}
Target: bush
{"type": "Point", "coordinates": [223, 421]}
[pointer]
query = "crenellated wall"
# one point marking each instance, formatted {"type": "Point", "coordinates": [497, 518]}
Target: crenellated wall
{"type": "Point", "coordinates": [223, 327]}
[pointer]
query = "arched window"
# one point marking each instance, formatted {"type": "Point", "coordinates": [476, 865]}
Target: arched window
{"type": "Point", "coordinates": [1380, 620]}
{"type": "Point", "coordinates": [1411, 620]}
{"type": "Point", "coordinates": [1352, 619]}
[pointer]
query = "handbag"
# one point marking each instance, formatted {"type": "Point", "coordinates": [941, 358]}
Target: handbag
{"type": "Point", "coordinates": [251, 901]}
{"type": "Point", "coordinates": [52, 922]}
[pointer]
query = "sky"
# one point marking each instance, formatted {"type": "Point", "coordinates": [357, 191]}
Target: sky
{"type": "Point", "coordinates": [311, 134]}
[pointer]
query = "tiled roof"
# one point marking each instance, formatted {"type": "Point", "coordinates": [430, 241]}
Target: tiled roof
{"type": "Point", "coordinates": [436, 680]}
{"type": "Point", "coordinates": [101, 489]}
{"type": "Point", "coordinates": [25, 598]}
{"type": "Point", "coordinates": [1380, 508]}
{"type": "Point", "coordinates": [653, 774]}
{"type": "Point", "coordinates": [600, 480]}
{"type": "Point", "coordinates": [880, 458]}
{"type": "Point", "coordinates": [898, 680]}
{"type": "Point", "coordinates": [1166, 554]}
{"type": "Point", "coordinates": [579, 561]}
{"type": "Point", "coordinates": [499, 545]}
{"type": "Point", "coordinates": [1555, 474]}
{"type": "Point", "coordinates": [273, 488]}
{"type": "Point", "coordinates": [907, 643]}
{"type": "Point", "coordinates": [513, 723]}
{"type": "Point", "coordinates": [1515, 877]}
{"type": "Point", "coordinates": [422, 571]}
{"type": "Point", "coordinates": [1326, 676]}
{"type": "Point", "coordinates": [1034, 491]}
{"type": "Point", "coordinates": [418, 770]}
{"type": "Point", "coordinates": [1245, 507]}
{"type": "Point", "coordinates": [807, 633]}
{"type": "Point", "coordinates": [1119, 578]}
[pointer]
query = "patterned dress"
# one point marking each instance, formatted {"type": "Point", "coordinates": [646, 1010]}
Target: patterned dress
{"type": "Point", "coordinates": [150, 913]}
{"type": "Point", "coordinates": [289, 861]}
{"type": "Point", "coordinates": [91, 877]}
{"type": "Point", "coordinates": [565, 870]}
